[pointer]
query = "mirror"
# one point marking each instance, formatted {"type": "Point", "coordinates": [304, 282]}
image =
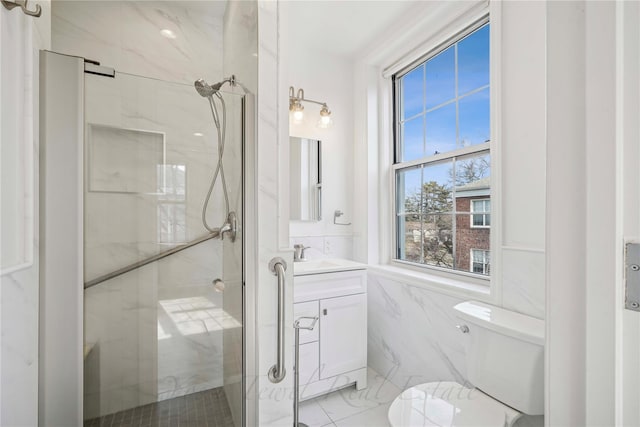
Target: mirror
{"type": "Point", "coordinates": [305, 188]}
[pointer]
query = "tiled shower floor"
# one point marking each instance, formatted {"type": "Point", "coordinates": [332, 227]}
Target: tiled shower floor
{"type": "Point", "coordinates": [204, 409]}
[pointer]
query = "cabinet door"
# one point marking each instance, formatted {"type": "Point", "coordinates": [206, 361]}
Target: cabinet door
{"type": "Point", "coordinates": [343, 334]}
{"type": "Point", "coordinates": [308, 363]}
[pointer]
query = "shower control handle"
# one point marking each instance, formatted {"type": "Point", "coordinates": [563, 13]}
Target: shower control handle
{"type": "Point", "coordinates": [463, 328]}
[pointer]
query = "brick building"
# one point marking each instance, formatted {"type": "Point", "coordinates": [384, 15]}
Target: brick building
{"type": "Point", "coordinates": [473, 230]}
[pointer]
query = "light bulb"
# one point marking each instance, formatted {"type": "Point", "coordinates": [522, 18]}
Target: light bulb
{"type": "Point", "coordinates": [325, 117]}
{"type": "Point", "coordinates": [298, 115]}
{"type": "Point", "coordinates": [325, 121]}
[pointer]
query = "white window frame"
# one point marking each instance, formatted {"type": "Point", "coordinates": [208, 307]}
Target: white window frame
{"type": "Point", "coordinates": [484, 259]}
{"type": "Point", "coordinates": [484, 213]}
{"type": "Point", "coordinates": [373, 135]}
{"type": "Point", "coordinates": [478, 149]}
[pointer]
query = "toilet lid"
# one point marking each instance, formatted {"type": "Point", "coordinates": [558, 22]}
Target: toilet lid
{"type": "Point", "coordinates": [448, 404]}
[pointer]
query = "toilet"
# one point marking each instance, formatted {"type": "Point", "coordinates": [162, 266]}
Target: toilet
{"type": "Point", "coordinates": [505, 364]}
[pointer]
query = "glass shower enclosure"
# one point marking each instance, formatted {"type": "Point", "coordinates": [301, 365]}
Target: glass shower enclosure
{"type": "Point", "coordinates": [163, 314]}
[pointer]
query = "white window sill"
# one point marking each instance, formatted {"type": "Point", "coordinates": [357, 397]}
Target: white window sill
{"type": "Point", "coordinates": [432, 282]}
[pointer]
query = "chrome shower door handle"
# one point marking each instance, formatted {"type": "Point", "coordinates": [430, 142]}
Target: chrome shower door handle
{"type": "Point", "coordinates": [277, 372]}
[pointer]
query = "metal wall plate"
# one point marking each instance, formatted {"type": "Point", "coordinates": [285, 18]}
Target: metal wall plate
{"type": "Point", "coordinates": [632, 276]}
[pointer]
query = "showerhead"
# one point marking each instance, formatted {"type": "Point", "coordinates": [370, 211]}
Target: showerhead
{"type": "Point", "coordinates": [206, 90]}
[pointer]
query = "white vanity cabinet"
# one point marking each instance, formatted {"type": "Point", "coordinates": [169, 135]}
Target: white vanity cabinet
{"type": "Point", "coordinates": [334, 354]}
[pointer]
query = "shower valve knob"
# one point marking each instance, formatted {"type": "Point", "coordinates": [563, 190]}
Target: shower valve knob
{"type": "Point", "coordinates": [463, 328]}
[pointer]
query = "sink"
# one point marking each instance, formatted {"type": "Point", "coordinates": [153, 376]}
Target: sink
{"type": "Point", "coordinates": [330, 265]}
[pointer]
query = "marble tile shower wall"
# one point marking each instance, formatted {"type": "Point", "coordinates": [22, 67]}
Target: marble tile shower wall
{"type": "Point", "coordinates": [126, 35]}
{"type": "Point", "coordinates": [156, 332]}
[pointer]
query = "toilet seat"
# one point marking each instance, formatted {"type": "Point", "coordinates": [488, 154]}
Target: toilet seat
{"type": "Point", "coordinates": [448, 404]}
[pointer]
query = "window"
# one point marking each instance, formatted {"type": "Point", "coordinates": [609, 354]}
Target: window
{"type": "Point", "coordinates": [442, 167]}
{"type": "Point", "coordinates": [481, 213]}
{"type": "Point", "coordinates": [480, 261]}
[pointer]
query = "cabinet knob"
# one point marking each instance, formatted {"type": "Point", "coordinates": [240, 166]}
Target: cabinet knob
{"type": "Point", "coordinates": [324, 311]}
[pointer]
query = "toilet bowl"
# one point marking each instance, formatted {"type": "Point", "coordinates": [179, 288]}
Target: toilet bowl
{"type": "Point", "coordinates": [504, 356]}
{"type": "Point", "coordinates": [449, 404]}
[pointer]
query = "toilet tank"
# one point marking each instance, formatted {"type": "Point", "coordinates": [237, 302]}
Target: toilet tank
{"type": "Point", "coordinates": [504, 354]}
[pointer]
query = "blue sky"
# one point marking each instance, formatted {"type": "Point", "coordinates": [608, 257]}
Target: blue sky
{"type": "Point", "coordinates": [432, 84]}
{"type": "Point", "coordinates": [429, 102]}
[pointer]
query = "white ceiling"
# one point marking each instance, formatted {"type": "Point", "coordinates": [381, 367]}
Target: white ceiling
{"type": "Point", "coordinates": [344, 27]}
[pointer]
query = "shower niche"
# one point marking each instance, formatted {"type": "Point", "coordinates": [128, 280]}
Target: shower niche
{"type": "Point", "coordinates": [124, 160]}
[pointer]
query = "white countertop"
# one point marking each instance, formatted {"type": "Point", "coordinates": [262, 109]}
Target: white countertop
{"type": "Point", "coordinates": [328, 265]}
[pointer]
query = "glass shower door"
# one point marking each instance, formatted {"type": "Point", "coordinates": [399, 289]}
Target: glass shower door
{"type": "Point", "coordinates": [163, 296]}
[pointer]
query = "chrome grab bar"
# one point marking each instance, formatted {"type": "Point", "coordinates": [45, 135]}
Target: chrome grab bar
{"type": "Point", "coordinates": [277, 372]}
{"type": "Point", "coordinates": [149, 260]}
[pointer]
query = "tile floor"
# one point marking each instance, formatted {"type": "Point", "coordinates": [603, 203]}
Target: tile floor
{"type": "Point", "coordinates": [352, 408]}
{"type": "Point", "coordinates": [204, 409]}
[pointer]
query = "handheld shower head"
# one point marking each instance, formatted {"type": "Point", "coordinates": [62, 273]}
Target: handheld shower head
{"type": "Point", "coordinates": [206, 90]}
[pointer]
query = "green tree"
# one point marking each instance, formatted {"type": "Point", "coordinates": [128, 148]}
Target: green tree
{"type": "Point", "coordinates": [436, 243]}
{"type": "Point", "coordinates": [433, 197]}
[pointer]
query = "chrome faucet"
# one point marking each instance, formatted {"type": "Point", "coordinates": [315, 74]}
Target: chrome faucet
{"type": "Point", "coordinates": [298, 255]}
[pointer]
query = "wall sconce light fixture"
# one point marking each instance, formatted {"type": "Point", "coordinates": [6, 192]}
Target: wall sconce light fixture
{"type": "Point", "coordinates": [297, 109]}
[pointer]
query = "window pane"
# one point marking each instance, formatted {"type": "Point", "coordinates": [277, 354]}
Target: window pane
{"type": "Point", "coordinates": [413, 139]}
{"type": "Point", "coordinates": [441, 80]}
{"type": "Point", "coordinates": [474, 119]}
{"type": "Point", "coordinates": [443, 207]}
{"type": "Point", "coordinates": [473, 61]}
{"type": "Point", "coordinates": [473, 176]}
{"type": "Point", "coordinates": [480, 261]}
{"type": "Point", "coordinates": [409, 196]}
{"type": "Point", "coordinates": [412, 92]}
{"type": "Point", "coordinates": [438, 240]}
{"type": "Point", "coordinates": [436, 188]}
{"type": "Point", "coordinates": [409, 230]}
{"type": "Point", "coordinates": [441, 130]}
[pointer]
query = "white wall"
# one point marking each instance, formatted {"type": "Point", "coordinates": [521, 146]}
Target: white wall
{"type": "Point", "coordinates": [628, 105]}
{"type": "Point", "coordinates": [587, 212]}
{"type": "Point", "coordinates": [266, 216]}
{"type": "Point", "coordinates": [21, 38]}
{"type": "Point", "coordinates": [325, 77]}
